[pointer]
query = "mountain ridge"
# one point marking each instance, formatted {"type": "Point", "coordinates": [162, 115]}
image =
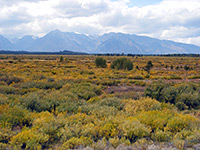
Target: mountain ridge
{"type": "Point", "coordinates": [56, 41]}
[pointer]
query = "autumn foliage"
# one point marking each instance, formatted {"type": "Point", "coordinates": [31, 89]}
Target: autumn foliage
{"type": "Point", "coordinates": [47, 102]}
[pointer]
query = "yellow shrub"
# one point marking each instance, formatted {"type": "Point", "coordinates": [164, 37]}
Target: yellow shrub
{"type": "Point", "coordinates": [143, 104]}
{"type": "Point", "coordinates": [29, 139]}
{"type": "Point", "coordinates": [133, 129]}
{"type": "Point", "coordinates": [180, 122]}
{"type": "Point", "coordinates": [75, 143]}
{"type": "Point", "coordinates": [114, 141]}
{"type": "Point", "coordinates": [155, 119]}
{"type": "Point", "coordinates": [162, 136]}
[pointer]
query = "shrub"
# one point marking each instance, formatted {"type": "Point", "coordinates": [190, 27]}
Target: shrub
{"type": "Point", "coordinates": [122, 63]}
{"type": "Point", "coordinates": [61, 59]}
{"type": "Point", "coordinates": [194, 77]}
{"type": "Point", "coordinates": [184, 96]}
{"type": "Point", "coordinates": [48, 124]}
{"type": "Point", "coordinates": [186, 67]}
{"type": "Point", "coordinates": [75, 143]}
{"type": "Point", "coordinates": [187, 88]}
{"type": "Point", "coordinates": [115, 142]}
{"type": "Point", "coordinates": [148, 66]}
{"type": "Point", "coordinates": [162, 136]}
{"type": "Point", "coordinates": [15, 116]}
{"type": "Point", "coordinates": [90, 130]}
{"type": "Point", "coordinates": [100, 62]}
{"type": "Point", "coordinates": [174, 77]}
{"type": "Point", "coordinates": [140, 83]}
{"type": "Point", "coordinates": [110, 82]}
{"type": "Point", "coordinates": [154, 90]}
{"type": "Point", "coordinates": [4, 89]}
{"type": "Point", "coordinates": [70, 106]}
{"type": "Point", "coordinates": [29, 139]}
{"type": "Point", "coordinates": [192, 101]}
{"type": "Point", "coordinates": [138, 77]}
{"type": "Point", "coordinates": [111, 102]}
{"type": "Point", "coordinates": [5, 135]}
{"type": "Point", "coordinates": [10, 79]}
{"type": "Point", "coordinates": [180, 122]}
{"type": "Point", "coordinates": [155, 119]}
{"type": "Point", "coordinates": [86, 91]}
{"type": "Point", "coordinates": [133, 129]}
{"type": "Point", "coordinates": [169, 94]}
{"type": "Point", "coordinates": [181, 106]}
{"type": "Point", "coordinates": [100, 111]}
{"type": "Point", "coordinates": [143, 104]}
{"type": "Point", "coordinates": [183, 134]}
{"type": "Point", "coordinates": [109, 129]}
{"type": "Point", "coordinates": [33, 102]}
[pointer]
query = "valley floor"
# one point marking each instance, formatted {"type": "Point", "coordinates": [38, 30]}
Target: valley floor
{"type": "Point", "coordinates": [67, 102]}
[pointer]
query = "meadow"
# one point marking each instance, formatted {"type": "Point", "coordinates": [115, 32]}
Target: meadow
{"type": "Point", "coordinates": [68, 102]}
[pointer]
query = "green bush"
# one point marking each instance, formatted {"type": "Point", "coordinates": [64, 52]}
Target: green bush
{"type": "Point", "coordinates": [191, 101]}
{"type": "Point", "coordinates": [122, 63]}
{"type": "Point", "coordinates": [86, 91]}
{"type": "Point", "coordinates": [34, 102]}
{"type": "Point", "coordinates": [10, 79]}
{"type": "Point", "coordinates": [4, 89]}
{"type": "Point", "coordinates": [154, 90]}
{"type": "Point", "coordinates": [110, 82]}
{"type": "Point", "coordinates": [148, 66]}
{"type": "Point", "coordinates": [184, 95]}
{"type": "Point", "coordinates": [169, 94]}
{"type": "Point", "coordinates": [100, 62]}
{"type": "Point", "coordinates": [111, 102]}
{"type": "Point", "coordinates": [174, 77]}
{"type": "Point", "coordinates": [194, 77]}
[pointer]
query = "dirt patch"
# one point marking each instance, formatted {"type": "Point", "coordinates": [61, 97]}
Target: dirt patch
{"type": "Point", "coordinates": [134, 88]}
{"type": "Point", "coordinates": [123, 89]}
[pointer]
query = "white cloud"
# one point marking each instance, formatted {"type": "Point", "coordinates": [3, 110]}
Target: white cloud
{"type": "Point", "coordinates": [177, 20]}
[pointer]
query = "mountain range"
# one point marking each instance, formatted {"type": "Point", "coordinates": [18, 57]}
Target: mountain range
{"type": "Point", "coordinates": [56, 41]}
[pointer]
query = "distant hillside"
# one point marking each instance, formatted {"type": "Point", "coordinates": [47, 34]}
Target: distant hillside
{"type": "Point", "coordinates": [56, 41]}
{"type": "Point", "coordinates": [5, 44]}
{"type": "Point", "coordinates": [42, 53]}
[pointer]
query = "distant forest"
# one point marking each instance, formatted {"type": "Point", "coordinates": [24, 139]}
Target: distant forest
{"type": "Point", "coordinates": [66, 52]}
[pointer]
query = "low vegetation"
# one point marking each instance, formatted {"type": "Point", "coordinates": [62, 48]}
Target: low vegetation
{"type": "Point", "coordinates": [122, 63]}
{"type": "Point", "coordinates": [75, 102]}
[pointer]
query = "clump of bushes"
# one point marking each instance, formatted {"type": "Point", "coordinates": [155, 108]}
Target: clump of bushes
{"type": "Point", "coordinates": [143, 104]}
{"type": "Point", "coordinates": [100, 62]}
{"type": "Point", "coordinates": [184, 96]}
{"type": "Point", "coordinates": [86, 91]}
{"type": "Point", "coordinates": [29, 139]}
{"type": "Point", "coordinates": [43, 85]}
{"type": "Point", "coordinates": [122, 63]}
{"type": "Point", "coordinates": [148, 66]}
{"type": "Point", "coordinates": [10, 79]}
{"type": "Point", "coordinates": [138, 77]}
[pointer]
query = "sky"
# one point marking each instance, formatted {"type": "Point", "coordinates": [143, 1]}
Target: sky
{"type": "Point", "coordinates": [177, 20]}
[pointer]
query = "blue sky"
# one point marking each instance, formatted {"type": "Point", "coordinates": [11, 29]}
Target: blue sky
{"type": "Point", "coordinates": [177, 20]}
{"type": "Point", "coordinates": [141, 3]}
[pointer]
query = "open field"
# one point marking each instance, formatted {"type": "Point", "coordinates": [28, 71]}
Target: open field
{"type": "Point", "coordinates": [67, 102]}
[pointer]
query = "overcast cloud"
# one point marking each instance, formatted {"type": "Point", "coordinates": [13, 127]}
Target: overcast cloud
{"type": "Point", "coordinates": [177, 20]}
